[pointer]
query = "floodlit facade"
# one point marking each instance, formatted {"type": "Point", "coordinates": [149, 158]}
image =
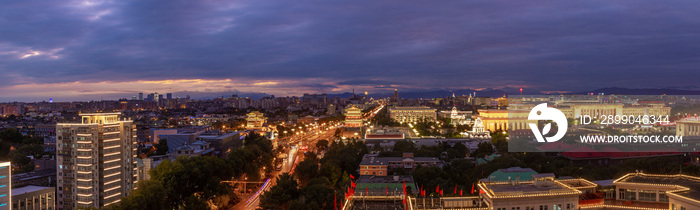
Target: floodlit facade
{"type": "Point", "coordinates": [96, 161]}
{"type": "Point", "coordinates": [255, 120]}
{"type": "Point", "coordinates": [353, 117]}
{"type": "Point", "coordinates": [500, 119]}
{"type": "Point", "coordinates": [406, 114]}
{"type": "Point", "coordinates": [688, 127]}
{"type": "Point", "coordinates": [5, 185]}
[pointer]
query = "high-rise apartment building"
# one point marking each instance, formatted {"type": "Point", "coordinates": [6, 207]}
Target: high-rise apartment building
{"type": "Point", "coordinates": [5, 185]}
{"type": "Point", "coordinates": [96, 161]}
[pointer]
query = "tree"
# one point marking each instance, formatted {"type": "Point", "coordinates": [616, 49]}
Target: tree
{"type": "Point", "coordinates": [322, 144]}
{"type": "Point", "coordinates": [483, 149]}
{"type": "Point", "coordinates": [404, 146]}
{"type": "Point", "coordinates": [306, 170]}
{"type": "Point", "coordinates": [11, 135]}
{"type": "Point", "coordinates": [162, 147]}
{"type": "Point", "coordinates": [187, 176]}
{"type": "Point", "coordinates": [150, 194]}
{"type": "Point", "coordinates": [255, 154]}
{"type": "Point", "coordinates": [499, 139]}
{"type": "Point", "coordinates": [457, 151]}
{"type": "Point", "coordinates": [318, 193]}
{"type": "Point", "coordinates": [279, 196]}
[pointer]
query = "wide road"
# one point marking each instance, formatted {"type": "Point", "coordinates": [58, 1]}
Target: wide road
{"type": "Point", "coordinates": [296, 154]}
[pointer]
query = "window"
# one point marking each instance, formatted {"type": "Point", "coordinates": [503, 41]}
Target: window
{"type": "Point", "coordinates": [647, 195]}
{"type": "Point", "coordinates": [663, 197]}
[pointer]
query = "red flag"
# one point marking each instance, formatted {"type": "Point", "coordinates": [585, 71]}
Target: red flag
{"type": "Point", "coordinates": [403, 200]}
{"type": "Point", "coordinates": [335, 201]}
{"type": "Point", "coordinates": [352, 177]}
{"type": "Point", "coordinates": [460, 192]}
{"type": "Point", "coordinates": [437, 189]}
{"type": "Point", "coordinates": [387, 190]}
{"type": "Point", "coordinates": [455, 189]}
{"type": "Point", "coordinates": [472, 192]}
{"type": "Point", "coordinates": [368, 190]}
{"type": "Point", "coordinates": [353, 184]}
{"type": "Point", "coordinates": [440, 192]}
{"type": "Point", "coordinates": [422, 192]}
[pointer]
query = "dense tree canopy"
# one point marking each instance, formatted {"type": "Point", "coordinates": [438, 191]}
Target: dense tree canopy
{"type": "Point", "coordinates": [317, 185]}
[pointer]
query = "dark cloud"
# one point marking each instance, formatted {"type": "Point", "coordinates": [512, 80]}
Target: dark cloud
{"type": "Point", "coordinates": [560, 45]}
{"type": "Point", "coordinates": [367, 82]}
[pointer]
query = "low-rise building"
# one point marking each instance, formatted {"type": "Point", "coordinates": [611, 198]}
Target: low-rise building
{"type": "Point", "coordinates": [33, 198]}
{"type": "Point", "coordinates": [198, 148]}
{"type": "Point", "coordinates": [457, 117]}
{"type": "Point", "coordinates": [542, 193]}
{"type": "Point", "coordinates": [379, 166]}
{"type": "Point", "coordinates": [408, 114]}
{"type": "Point", "coordinates": [45, 177]}
{"type": "Point", "coordinates": [678, 192]}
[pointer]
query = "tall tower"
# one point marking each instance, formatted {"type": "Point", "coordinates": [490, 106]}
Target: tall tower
{"type": "Point", "coordinates": [96, 161]}
{"type": "Point", "coordinates": [395, 98]}
{"type": "Point", "coordinates": [5, 185]}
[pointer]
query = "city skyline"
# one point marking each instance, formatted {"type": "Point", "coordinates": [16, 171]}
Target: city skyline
{"type": "Point", "coordinates": [82, 50]}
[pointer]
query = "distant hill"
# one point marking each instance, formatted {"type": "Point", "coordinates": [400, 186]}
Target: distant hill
{"type": "Point", "coordinates": [489, 92]}
{"type": "Point", "coordinates": [646, 91]}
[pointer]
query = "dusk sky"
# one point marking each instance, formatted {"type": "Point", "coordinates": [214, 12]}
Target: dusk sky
{"type": "Point", "coordinates": [85, 50]}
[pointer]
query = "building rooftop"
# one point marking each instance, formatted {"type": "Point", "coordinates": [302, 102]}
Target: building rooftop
{"type": "Point", "coordinates": [578, 183]}
{"type": "Point", "coordinates": [690, 185]}
{"type": "Point", "coordinates": [27, 189]}
{"type": "Point", "coordinates": [526, 189]}
{"type": "Point", "coordinates": [412, 108]}
{"type": "Point", "coordinates": [380, 183]}
{"type": "Point", "coordinates": [374, 160]}
{"type": "Point", "coordinates": [512, 173]}
{"type": "Point", "coordinates": [34, 174]}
